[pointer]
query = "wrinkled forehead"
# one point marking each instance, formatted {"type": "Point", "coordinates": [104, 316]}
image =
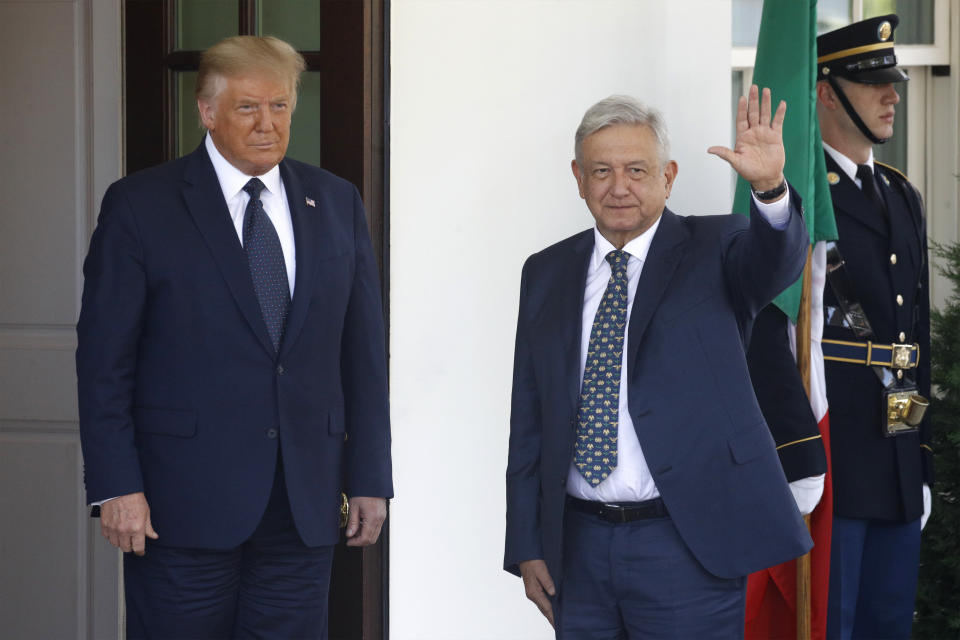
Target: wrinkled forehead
{"type": "Point", "coordinates": [256, 80]}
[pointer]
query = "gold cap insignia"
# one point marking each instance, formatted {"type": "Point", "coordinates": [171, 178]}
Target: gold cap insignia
{"type": "Point", "coordinates": [884, 31]}
{"type": "Point", "coordinates": [833, 178]}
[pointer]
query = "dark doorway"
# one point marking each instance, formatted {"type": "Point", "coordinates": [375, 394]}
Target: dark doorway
{"type": "Point", "coordinates": [339, 124]}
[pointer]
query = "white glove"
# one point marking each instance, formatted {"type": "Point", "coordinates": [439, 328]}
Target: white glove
{"type": "Point", "coordinates": [807, 492]}
{"type": "Point", "coordinates": [927, 505]}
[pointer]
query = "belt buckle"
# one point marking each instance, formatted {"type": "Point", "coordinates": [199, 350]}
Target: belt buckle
{"type": "Point", "coordinates": [900, 356]}
{"type": "Point", "coordinates": [614, 513]}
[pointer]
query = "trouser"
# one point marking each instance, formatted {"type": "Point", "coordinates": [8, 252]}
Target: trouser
{"type": "Point", "coordinates": [873, 578]}
{"type": "Point", "coordinates": [271, 586]}
{"type": "Point", "coordinates": [639, 580]}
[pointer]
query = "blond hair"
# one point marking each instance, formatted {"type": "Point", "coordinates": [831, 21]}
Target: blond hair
{"type": "Point", "coordinates": [242, 55]}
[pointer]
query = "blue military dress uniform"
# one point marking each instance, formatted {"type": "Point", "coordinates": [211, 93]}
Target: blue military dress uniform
{"type": "Point", "coordinates": [877, 480]}
{"type": "Point", "coordinates": [874, 476]}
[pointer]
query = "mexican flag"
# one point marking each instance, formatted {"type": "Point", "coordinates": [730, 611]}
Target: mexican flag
{"type": "Point", "coordinates": [787, 63]}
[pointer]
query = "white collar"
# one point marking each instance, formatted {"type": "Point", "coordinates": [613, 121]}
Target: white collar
{"type": "Point", "coordinates": [849, 166]}
{"type": "Point", "coordinates": [232, 180]}
{"type": "Point", "coordinates": [638, 247]}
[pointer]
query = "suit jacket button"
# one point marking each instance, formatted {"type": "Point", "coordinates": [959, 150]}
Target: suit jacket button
{"type": "Point", "coordinates": [272, 433]}
{"type": "Point", "coordinates": [280, 370]}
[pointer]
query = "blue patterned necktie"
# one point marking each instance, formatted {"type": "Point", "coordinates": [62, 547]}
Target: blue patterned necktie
{"type": "Point", "coordinates": [267, 267]}
{"type": "Point", "coordinates": [595, 453]}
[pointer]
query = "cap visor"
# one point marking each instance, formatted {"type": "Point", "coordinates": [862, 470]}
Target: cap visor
{"type": "Point", "coordinates": [880, 76]}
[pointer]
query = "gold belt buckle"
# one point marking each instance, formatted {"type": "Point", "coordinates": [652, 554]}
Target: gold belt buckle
{"type": "Point", "coordinates": [900, 357]}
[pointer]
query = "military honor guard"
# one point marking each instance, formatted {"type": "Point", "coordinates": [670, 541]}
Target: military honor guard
{"type": "Point", "coordinates": [876, 340]}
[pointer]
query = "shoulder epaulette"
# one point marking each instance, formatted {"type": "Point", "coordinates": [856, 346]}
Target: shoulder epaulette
{"type": "Point", "coordinates": [912, 187]}
{"type": "Point", "coordinates": [894, 169]}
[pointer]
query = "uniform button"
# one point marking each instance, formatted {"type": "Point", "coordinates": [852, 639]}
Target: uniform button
{"type": "Point", "coordinates": [563, 482]}
{"type": "Point", "coordinates": [272, 433]}
{"type": "Point", "coordinates": [893, 258]}
{"type": "Point", "coordinates": [280, 370]}
{"type": "Point", "coordinates": [899, 374]}
{"type": "Point", "coordinates": [899, 300]}
{"type": "Point", "coordinates": [903, 336]}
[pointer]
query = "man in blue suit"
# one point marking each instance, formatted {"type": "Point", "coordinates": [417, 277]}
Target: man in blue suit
{"type": "Point", "coordinates": [642, 482]}
{"type": "Point", "coordinates": [231, 366]}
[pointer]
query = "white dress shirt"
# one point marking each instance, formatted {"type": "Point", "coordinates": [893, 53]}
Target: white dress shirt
{"type": "Point", "coordinates": [631, 480]}
{"type": "Point", "coordinates": [273, 197]}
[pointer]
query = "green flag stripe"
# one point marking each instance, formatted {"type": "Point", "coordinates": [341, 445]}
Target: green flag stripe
{"type": "Point", "coordinates": [787, 64]}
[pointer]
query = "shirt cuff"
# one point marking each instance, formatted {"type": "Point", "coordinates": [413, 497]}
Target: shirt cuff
{"type": "Point", "coordinates": [101, 502]}
{"type": "Point", "coordinates": [776, 213]}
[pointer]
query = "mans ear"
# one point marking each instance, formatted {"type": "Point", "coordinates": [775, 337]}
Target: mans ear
{"type": "Point", "coordinates": [826, 95]}
{"type": "Point", "coordinates": [670, 172]}
{"type": "Point", "coordinates": [576, 174]}
{"type": "Point", "coordinates": [208, 112]}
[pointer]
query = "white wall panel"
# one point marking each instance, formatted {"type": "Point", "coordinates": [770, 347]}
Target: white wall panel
{"type": "Point", "coordinates": [59, 144]}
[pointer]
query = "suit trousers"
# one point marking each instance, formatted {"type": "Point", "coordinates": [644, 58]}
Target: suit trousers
{"type": "Point", "coordinates": [271, 586]}
{"type": "Point", "coordinates": [873, 578]}
{"type": "Point", "coordinates": [639, 580]}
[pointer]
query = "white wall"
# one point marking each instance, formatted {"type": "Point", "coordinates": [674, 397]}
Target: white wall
{"type": "Point", "coordinates": [486, 95]}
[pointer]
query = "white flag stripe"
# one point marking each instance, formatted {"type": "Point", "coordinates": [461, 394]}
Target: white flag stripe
{"type": "Point", "coordinates": [818, 382]}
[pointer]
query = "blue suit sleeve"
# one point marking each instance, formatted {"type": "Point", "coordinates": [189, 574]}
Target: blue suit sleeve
{"type": "Point", "coordinates": [761, 261]}
{"type": "Point", "coordinates": [364, 373]}
{"type": "Point", "coordinates": [108, 334]}
{"type": "Point", "coordinates": [523, 465]}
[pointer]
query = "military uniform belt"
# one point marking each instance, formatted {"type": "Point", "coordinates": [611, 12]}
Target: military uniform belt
{"type": "Point", "coordinates": [869, 353]}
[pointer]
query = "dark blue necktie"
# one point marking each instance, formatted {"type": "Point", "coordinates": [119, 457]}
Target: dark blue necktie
{"type": "Point", "coordinates": [267, 267]}
{"type": "Point", "coordinates": [595, 452]}
{"type": "Point", "coordinates": [868, 185]}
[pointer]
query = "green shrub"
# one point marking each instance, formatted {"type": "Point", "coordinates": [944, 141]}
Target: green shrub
{"type": "Point", "coordinates": [938, 594]}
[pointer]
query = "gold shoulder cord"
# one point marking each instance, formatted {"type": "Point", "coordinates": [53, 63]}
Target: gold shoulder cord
{"type": "Point", "coordinates": [894, 169]}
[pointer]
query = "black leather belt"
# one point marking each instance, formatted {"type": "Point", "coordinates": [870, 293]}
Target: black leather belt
{"type": "Point", "coordinates": [620, 511]}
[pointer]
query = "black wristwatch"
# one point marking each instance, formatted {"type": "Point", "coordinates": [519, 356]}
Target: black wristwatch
{"type": "Point", "coordinates": [776, 192]}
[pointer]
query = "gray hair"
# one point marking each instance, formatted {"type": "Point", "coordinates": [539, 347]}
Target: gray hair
{"type": "Point", "coordinates": [621, 109]}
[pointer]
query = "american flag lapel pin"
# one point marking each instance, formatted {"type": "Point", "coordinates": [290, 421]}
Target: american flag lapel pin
{"type": "Point", "coordinates": [310, 202]}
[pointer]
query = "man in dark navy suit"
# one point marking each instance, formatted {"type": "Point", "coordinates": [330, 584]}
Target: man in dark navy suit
{"type": "Point", "coordinates": [231, 365]}
{"type": "Point", "coordinates": [642, 482]}
{"type": "Point", "coordinates": [881, 470]}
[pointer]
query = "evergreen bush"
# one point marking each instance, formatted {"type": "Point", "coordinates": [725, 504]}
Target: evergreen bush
{"type": "Point", "coordinates": [938, 594]}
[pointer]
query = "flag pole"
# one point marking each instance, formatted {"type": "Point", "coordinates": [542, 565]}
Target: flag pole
{"type": "Point", "coordinates": [803, 363]}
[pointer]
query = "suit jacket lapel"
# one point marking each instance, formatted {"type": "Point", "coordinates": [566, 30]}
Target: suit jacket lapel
{"type": "Point", "coordinates": [205, 202]}
{"type": "Point", "coordinates": [307, 238]}
{"type": "Point", "coordinates": [666, 250]}
{"type": "Point", "coordinates": [848, 198]}
{"type": "Point", "coordinates": [568, 305]}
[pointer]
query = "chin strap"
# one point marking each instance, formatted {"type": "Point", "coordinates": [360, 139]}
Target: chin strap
{"type": "Point", "coordinates": [852, 112]}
